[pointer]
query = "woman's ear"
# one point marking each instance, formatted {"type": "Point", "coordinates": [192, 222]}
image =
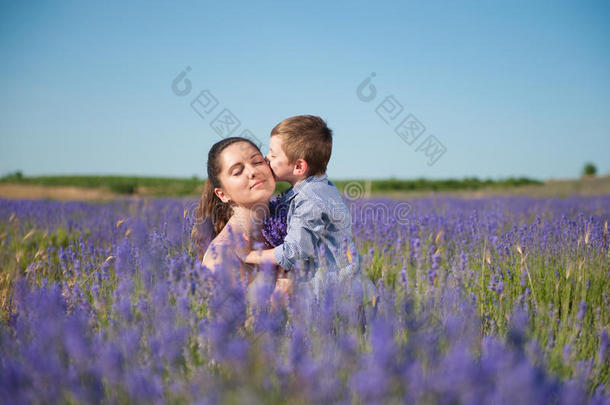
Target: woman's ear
{"type": "Point", "coordinates": [300, 167]}
{"type": "Point", "coordinates": [221, 194]}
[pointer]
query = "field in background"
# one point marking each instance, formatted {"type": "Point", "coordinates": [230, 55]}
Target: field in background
{"type": "Point", "coordinates": [110, 187]}
{"type": "Point", "coordinates": [476, 293]}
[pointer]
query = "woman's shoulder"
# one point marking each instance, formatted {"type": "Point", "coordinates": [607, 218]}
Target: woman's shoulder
{"type": "Point", "coordinates": [218, 248]}
{"type": "Point", "coordinates": [230, 237]}
{"type": "Point", "coordinates": [225, 246]}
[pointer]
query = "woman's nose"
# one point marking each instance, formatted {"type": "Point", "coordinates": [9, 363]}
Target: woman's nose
{"type": "Point", "coordinates": [253, 171]}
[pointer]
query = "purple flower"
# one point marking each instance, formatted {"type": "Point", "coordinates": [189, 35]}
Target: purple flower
{"type": "Point", "coordinates": [116, 305]}
{"type": "Point", "coordinates": [582, 310]}
{"type": "Point", "coordinates": [275, 225]}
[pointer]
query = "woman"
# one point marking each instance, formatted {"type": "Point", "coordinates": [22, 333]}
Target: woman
{"type": "Point", "coordinates": [233, 205]}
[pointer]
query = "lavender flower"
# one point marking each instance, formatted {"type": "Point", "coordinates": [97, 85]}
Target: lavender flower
{"type": "Point", "coordinates": [108, 304]}
{"type": "Point", "coordinates": [275, 225]}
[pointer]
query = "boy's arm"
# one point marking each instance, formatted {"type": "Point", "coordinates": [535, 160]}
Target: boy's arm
{"type": "Point", "coordinates": [305, 227]}
{"type": "Point", "coordinates": [261, 256]}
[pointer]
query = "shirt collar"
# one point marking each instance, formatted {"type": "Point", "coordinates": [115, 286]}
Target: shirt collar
{"type": "Point", "coordinates": [293, 191]}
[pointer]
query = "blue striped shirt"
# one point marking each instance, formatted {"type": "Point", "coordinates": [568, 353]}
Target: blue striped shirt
{"type": "Point", "coordinates": [319, 229]}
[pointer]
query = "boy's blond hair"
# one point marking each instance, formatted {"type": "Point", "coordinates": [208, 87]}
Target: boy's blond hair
{"type": "Point", "coordinates": [306, 137]}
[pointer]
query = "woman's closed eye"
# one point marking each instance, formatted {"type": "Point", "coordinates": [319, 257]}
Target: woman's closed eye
{"type": "Point", "coordinates": [239, 170]}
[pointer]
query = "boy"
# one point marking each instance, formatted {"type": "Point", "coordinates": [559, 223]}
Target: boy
{"type": "Point", "coordinates": [319, 231]}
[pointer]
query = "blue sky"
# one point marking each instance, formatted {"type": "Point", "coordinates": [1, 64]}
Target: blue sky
{"type": "Point", "coordinates": [505, 88]}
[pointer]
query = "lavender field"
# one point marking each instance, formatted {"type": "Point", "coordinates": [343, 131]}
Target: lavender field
{"type": "Point", "coordinates": [492, 300]}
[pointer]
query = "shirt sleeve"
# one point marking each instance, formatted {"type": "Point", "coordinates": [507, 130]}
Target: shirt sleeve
{"type": "Point", "coordinates": [305, 226]}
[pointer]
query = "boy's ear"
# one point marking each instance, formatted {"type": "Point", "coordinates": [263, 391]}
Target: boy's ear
{"type": "Point", "coordinates": [300, 167]}
{"type": "Point", "coordinates": [221, 194]}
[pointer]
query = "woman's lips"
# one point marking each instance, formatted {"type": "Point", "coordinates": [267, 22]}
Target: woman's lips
{"type": "Point", "coordinates": [258, 183]}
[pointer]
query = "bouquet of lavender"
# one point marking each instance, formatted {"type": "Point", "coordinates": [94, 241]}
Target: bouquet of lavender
{"type": "Point", "coordinates": [274, 227]}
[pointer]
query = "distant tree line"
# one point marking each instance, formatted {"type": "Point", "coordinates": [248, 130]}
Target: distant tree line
{"type": "Point", "coordinates": [162, 186]}
{"type": "Point", "coordinates": [422, 184]}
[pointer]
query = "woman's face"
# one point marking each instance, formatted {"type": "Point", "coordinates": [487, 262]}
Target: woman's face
{"type": "Point", "coordinates": [245, 177]}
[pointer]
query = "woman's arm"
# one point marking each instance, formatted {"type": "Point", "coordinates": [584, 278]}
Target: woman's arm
{"type": "Point", "coordinates": [212, 257]}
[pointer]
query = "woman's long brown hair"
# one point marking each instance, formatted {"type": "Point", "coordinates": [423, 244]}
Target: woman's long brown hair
{"type": "Point", "coordinates": [212, 214]}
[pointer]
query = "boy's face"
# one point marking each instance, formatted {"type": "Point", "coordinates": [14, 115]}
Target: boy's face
{"type": "Point", "coordinates": [282, 168]}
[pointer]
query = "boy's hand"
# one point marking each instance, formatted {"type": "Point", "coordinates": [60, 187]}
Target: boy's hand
{"type": "Point", "coordinates": [263, 256]}
{"type": "Point", "coordinates": [283, 288]}
{"type": "Point", "coordinates": [283, 285]}
{"type": "Point", "coordinates": [252, 257]}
